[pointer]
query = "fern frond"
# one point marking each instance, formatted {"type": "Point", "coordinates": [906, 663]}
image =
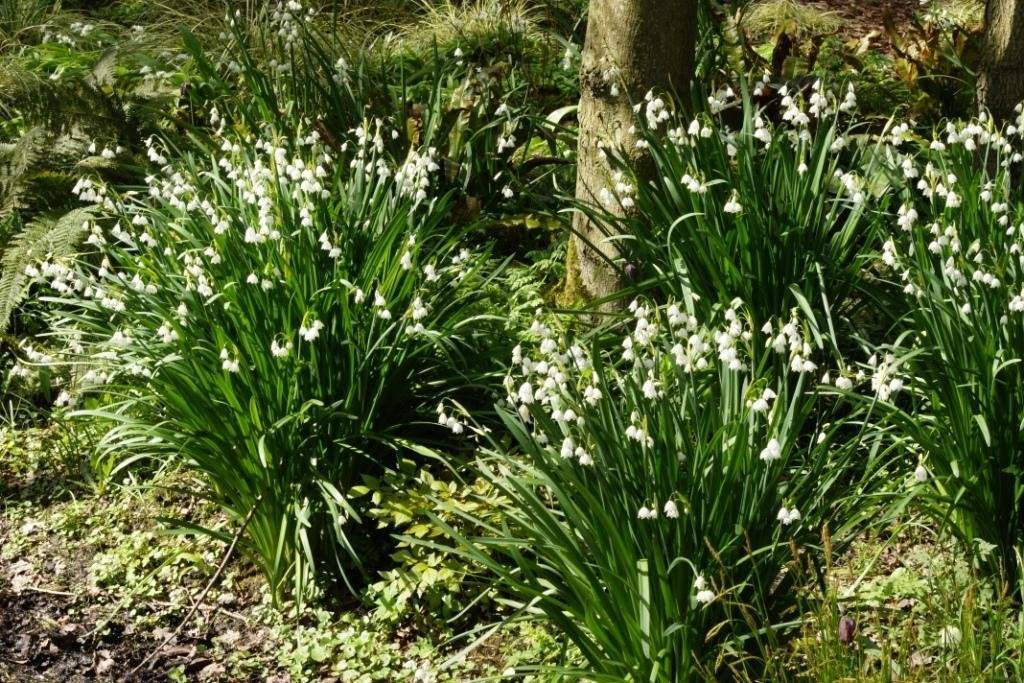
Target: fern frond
{"type": "Point", "coordinates": [103, 73]}
{"type": "Point", "coordinates": [16, 160]}
{"type": "Point", "coordinates": [43, 238]}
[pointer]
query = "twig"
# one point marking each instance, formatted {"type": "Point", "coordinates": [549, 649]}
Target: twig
{"type": "Point", "coordinates": [203, 608]}
{"type": "Point", "coordinates": [48, 591]}
{"type": "Point", "coordinates": [202, 596]}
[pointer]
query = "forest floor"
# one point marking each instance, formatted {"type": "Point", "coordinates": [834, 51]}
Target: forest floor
{"type": "Point", "coordinates": [89, 592]}
{"type": "Point", "coordinates": [102, 587]}
{"type": "Point", "coordinates": [85, 594]}
{"type": "Point", "coordinates": [869, 17]}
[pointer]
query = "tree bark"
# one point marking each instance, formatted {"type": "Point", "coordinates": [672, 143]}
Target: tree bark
{"type": "Point", "coordinates": [1001, 81]}
{"type": "Point", "coordinates": [631, 47]}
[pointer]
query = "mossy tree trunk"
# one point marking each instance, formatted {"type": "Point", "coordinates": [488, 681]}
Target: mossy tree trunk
{"type": "Point", "coordinates": [631, 47]}
{"type": "Point", "coordinates": [1001, 82]}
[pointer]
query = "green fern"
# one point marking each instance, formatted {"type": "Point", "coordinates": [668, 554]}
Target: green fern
{"type": "Point", "coordinates": [16, 160]}
{"type": "Point", "coordinates": [43, 238]}
{"type": "Point", "coordinates": [93, 100]}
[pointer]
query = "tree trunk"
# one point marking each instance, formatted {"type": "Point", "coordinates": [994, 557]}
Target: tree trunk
{"type": "Point", "coordinates": [1001, 82]}
{"type": "Point", "coordinates": [631, 47]}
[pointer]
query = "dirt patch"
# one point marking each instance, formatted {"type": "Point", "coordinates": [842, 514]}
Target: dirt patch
{"type": "Point", "coordinates": [57, 623]}
{"type": "Point", "coordinates": [52, 635]}
{"type": "Point", "coordinates": [863, 17]}
{"type": "Point", "coordinates": [45, 624]}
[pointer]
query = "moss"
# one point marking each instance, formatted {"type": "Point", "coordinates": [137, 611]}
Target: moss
{"type": "Point", "coordinates": [571, 292]}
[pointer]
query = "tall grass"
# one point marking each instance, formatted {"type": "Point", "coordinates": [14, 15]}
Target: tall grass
{"type": "Point", "coordinates": [660, 483]}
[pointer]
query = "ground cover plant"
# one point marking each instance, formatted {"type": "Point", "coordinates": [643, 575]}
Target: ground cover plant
{"type": "Point", "coordinates": [300, 382]}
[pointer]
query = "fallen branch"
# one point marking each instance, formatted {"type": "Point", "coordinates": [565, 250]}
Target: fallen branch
{"type": "Point", "coordinates": [202, 596]}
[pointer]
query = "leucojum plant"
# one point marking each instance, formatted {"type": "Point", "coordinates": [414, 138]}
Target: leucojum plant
{"type": "Point", "coordinates": [955, 252]}
{"type": "Point", "coordinates": [281, 316]}
{"type": "Point", "coordinates": [787, 201]}
{"type": "Point", "coordinates": [474, 113]}
{"type": "Point", "coordinates": [660, 482]}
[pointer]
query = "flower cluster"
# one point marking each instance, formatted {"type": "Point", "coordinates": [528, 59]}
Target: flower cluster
{"type": "Point", "coordinates": [663, 355]}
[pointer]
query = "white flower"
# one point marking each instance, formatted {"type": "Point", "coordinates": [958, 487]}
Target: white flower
{"type": "Point", "coordinates": [167, 334]}
{"type": "Point", "coordinates": [921, 474]}
{"type": "Point", "coordinates": [771, 452]}
{"type": "Point", "coordinates": [733, 205]}
{"type": "Point", "coordinates": [227, 362]}
{"type": "Point", "coordinates": [762, 403]}
{"type": "Point", "coordinates": [650, 389]}
{"type": "Point", "coordinates": [454, 425]}
{"type": "Point", "coordinates": [646, 513]}
{"type": "Point", "coordinates": [638, 434]}
{"type": "Point", "coordinates": [279, 351]}
{"type": "Point", "coordinates": [311, 331]}
{"type": "Point", "coordinates": [788, 516]}
{"type": "Point", "coordinates": [670, 510]}
{"type": "Point", "coordinates": [380, 302]}
{"type": "Point", "coordinates": [526, 393]}
{"type": "Point", "coordinates": [704, 595]}
{"type": "Point", "coordinates": [419, 309]}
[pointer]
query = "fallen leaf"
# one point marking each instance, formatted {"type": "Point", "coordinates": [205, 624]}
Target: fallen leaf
{"type": "Point", "coordinates": [19, 567]}
{"type": "Point", "coordinates": [30, 527]}
{"type": "Point", "coordinates": [105, 664]}
{"type": "Point", "coordinates": [22, 644]}
{"type": "Point", "coordinates": [230, 637]}
{"type": "Point", "coordinates": [20, 582]}
{"type": "Point", "coordinates": [211, 671]}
